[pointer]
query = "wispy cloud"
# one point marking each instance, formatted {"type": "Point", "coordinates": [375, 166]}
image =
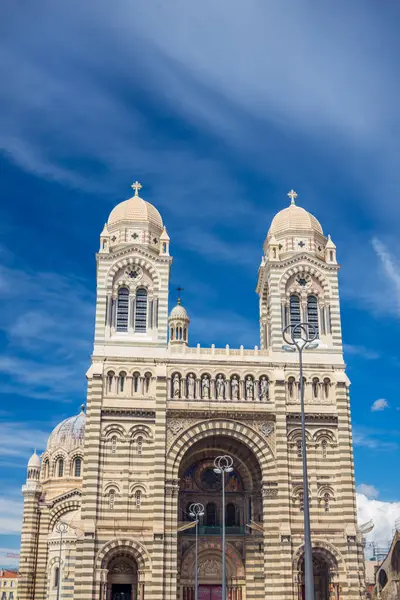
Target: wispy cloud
{"type": "Point", "coordinates": [362, 351]}
{"type": "Point", "coordinates": [11, 507]}
{"type": "Point", "coordinates": [379, 405]}
{"type": "Point", "coordinates": [391, 269]}
{"type": "Point", "coordinates": [375, 439]}
{"type": "Point", "coordinates": [48, 321]}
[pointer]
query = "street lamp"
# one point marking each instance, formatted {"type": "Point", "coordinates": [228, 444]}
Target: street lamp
{"type": "Point", "coordinates": [196, 510]}
{"type": "Point", "coordinates": [222, 465]}
{"type": "Point", "coordinates": [61, 528]}
{"type": "Point", "coordinates": [303, 336]}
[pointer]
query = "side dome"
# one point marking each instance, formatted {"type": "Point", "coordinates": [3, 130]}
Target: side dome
{"type": "Point", "coordinates": [68, 434]}
{"type": "Point", "coordinates": [34, 461]}
{"type": "Point", "coordinates": [179, 312]}
{"type": "Point", "coordinates": [292, 219]}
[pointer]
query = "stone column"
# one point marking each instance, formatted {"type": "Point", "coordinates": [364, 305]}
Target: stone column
{"type": "Point", "coordinates": [29, 540]}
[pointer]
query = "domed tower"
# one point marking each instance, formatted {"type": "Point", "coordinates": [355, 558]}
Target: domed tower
{"type": "Point", "coordinates": [297, 280]}
{"type": "Point", "coordinates": [178, 323]}
{"type": "Point", "coordinates": [133, 267]}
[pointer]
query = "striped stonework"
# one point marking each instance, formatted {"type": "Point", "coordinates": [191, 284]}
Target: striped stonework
{"type": "Point", "coordinates": [159, 413]}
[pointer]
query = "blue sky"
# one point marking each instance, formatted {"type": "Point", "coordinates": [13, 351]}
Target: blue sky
{"type": "Point", "coordinates": [218, 109]}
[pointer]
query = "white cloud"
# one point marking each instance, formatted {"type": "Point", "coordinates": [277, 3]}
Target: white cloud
{"type": "Point", "coordinates": [379, 405]}
{"type": "Point", "coordinates": [383, 514]}
{"type": "Point", "coordinates": [375, 439]}
{"type": "Point", "coordinates": [391, 269]}
{"type": "Point", "coordinates": [368, 490]}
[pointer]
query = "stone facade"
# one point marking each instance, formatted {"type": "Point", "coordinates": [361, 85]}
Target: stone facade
{"type": "Point", "coordinates": [121, 477]}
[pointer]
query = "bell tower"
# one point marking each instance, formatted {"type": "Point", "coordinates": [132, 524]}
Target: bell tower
{"type": "Point", "coordinates": [297, 279]}
{"type": "Point", "coordinates": [133, 266]}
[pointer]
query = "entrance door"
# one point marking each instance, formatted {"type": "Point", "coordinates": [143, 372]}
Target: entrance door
{"type": "Point", "coordinates": [121, 591]}
{"type": "Point", "coordinates": [210, 592]}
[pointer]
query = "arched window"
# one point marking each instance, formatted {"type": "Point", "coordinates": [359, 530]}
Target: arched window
{"type": "Point", "coordinates": [327, 384]}
{"type": "Point", "coordinates": [312, 314]}
{"type": "Point", "coordinates": [60, 467]}
{"type": "Point", "coordinates": [122, 378]}
{"type": "Point", "coordinates": [147, 379]}
{"type": "Point", "coordinates": [315, 387]}
{"type": "Point", "coordinates": [56, 579]}
{"type": "Point", "coordinates": [138, 498]}
{"type": "Point", "coordinates": [136, 382]}
{"type": "Point", "coordinates": [78, 467]}
{"type": "Point", "coordinates": [140, 445]}
{"type": "Point", "coordinates": [122, 309]}
{"type": "Point", "coordinates": [211, 514]}
{"type": "Point", "coordinates": [295, 311]}
{"type": "Point", "coordinates": [230, 515]}
{"type": "Point", "coordinates": [301, 501]}
{"type": "Point", "coordinates": [46, 469]}
{"type": "Point", "coordinates": [141, 310]}
{"type": "Point", "coordinates": [324, 448]}
{"type": "Point", "coordinates": [326, 502]}
{"type": "Point", "coordinates": [172, 333]}
{"type": "Point", "coordinates": [291, 384]}
{"type": "Point", "coordinates": [110, 377]}
{"type": "Point", "coordinates": [111, 499]}
{"type": "Point", "coordinates": [113, 444]}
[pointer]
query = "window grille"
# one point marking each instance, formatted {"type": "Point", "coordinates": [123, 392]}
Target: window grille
{"type": "Point", "coordinates": [326, 502]}
{"type": "Point", "coordinates": [141, 310]}
{"type": "Point", "coordinates": [295, 311]}
{"type": "Point", "coordinates": [111, 499]}
{"type": "Point", "coordinates": [78, 467]}
{"type": "Point", "coordinates": [299, 449]}
{"type": "Point", "coordinates": [140, 444]}
{"type": "Point", "coordinates": [113, 444]}
{"type": "Point", "coordinates": [301, 501]}
{"type": "Point", "coordinates": [123, 309]}
{"type": "Point", "coordinates": [138, 498]}
{"type": "Point", "coordinates": [312, 314]}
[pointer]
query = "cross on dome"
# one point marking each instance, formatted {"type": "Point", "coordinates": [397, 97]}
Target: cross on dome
{"type": "Point", "coordinates": [179, 290]}
{"type": "Point", "coordinates": [136, 186]}
{"type": "Point", "coordinates": [292, 195]}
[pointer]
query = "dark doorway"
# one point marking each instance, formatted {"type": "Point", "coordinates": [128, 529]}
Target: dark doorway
{"type": "Point", "coordinates": [121, 591]}
{"type": "Point", "coordinates": [230, 515]}
{"type": "Point", "coordinates": [211, 514]}
{"type": "Point", "coordinates": [210, 592]}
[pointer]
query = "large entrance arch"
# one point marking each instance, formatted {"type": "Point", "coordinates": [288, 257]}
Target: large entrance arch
{"type": "Point", "coordinates": [243, 505]}
{"type": "Point", "coordinates": [325, 570]}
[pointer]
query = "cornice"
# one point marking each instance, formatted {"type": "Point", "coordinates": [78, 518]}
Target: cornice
{"type": "Point", "coordinates": [312, 418]}
{"type": "Point", "coordinates": [65, 496]}
{"type": "Point", "coordinates": [292, 260]}
{"type": "Point", "coordinates": [212, 415]}
{"type": "Point", "coordinates": [149, 254]}
{"type": "Point", "coordinates": [128, 412]}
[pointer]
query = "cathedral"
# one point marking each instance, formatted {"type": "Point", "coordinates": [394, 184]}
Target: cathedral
{"type": "Point", "coordinates": [107, 504]}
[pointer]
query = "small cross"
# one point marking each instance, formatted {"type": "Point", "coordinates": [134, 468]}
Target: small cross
{"type": "Point", "coordinates": [179, 290]}
{"type": "Point", "coordinates": [136, 186]}
{"type": "Point", "coordinates": [292, 195]}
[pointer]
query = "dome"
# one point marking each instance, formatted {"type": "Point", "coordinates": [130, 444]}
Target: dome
{"type": "Point", "coordinates": [179, 312]}
{"type": "Point", "coordinates": [34, 461]}
{"type": "Point", "coordinates": [135, 209]}
{"type": "Point", "coordinates": [294, 218]}
{"type": "Point", "coordinates": [68, 434]}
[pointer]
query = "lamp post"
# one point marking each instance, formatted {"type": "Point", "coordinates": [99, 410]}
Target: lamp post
{"type": "Point", "coordinates": [302, 336]}
{"type": "Point", "coordinates": [222, 465]}
{"type": "Point", "coordinates": [196, 510]}
{"type": "Point", "coordinates": [61, 528]}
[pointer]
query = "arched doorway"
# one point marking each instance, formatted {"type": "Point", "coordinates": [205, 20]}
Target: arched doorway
{"type": "Point", "coordinates": [243, 502]}
{"type": "Point", "coordinates": [122, 578]}
{"type": "Point", "coordinates": [324, 569]}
